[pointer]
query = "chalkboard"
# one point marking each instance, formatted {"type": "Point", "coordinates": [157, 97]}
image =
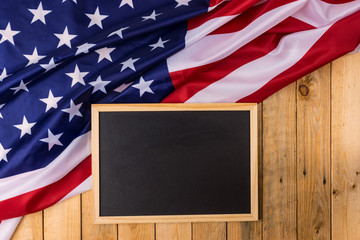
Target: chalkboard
{"type": "Point", "coordinates": [174, 162]}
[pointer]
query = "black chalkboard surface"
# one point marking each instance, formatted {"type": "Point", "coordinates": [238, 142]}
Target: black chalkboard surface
{"type": "Point", "coordinates": [174, 162]}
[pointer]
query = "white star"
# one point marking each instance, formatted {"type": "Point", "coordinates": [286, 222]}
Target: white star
{"type": "Point", "coordinates": [96, 18]}
{"type": "Point", "coordinates": [52, 139]}
{"type": "Point", "coordinates": [34, 57]}
{"type": "Point", "coordinates": [21, 86]}
{"type": "Point", "coordinates": [3, 75]}
{"type": "Point", "coordinates": [73, 110]}
{"type": "Point", "coordinates": [182, 3]}
{"type": "Point", "coordinates": [104, 53]}
{"type": "Point", "coordinates": [99, 84]}
{"type": "Point", "coordinates": [128, 2]}
{"type": "Point", "coordinates": [3, 153]}
{"type": "Point", "coordinates": [143, 86]}
{"type": "Point", "coordinates": [152, 16]}
{"type": "Point", "coordinates": [25, 127]}
{"type": "Point", "coordinates": [129, 64]}
{"type": "Point", "coordinates": [159, 44]}
{"type": "Point", "coordinates": [39, 13]}
{"type": "Point", "coordinates": [122, 87]}
{"type": "Point", "coordinates": [8, 34]}
{"type": "Point", "coordinates": [119, 32]}
{"type": "Point", "coordinates": [50, 65]}
{"type": "Point", "coordinates": [1, 106]}
{"type": "Point", "coordinates": [84, 48]}
{"type": "Point", "coordinates": [65, 38]}
{"type": "Point", "coordinates": [51, 101]}
{"type": "Point", "coordinates": [77, 76]}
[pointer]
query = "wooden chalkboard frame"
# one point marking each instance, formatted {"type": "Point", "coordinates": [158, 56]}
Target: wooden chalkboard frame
{"type": "Point", "coordinates": [252, 107]}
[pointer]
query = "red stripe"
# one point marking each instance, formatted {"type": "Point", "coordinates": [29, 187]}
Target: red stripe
{"type": "Point", "coordinates": [189, 81]}
{"type": "Point", "coordinates": [214, 2]}
{"type": "Point", "coordinates": [290, 25]}
{"type": "Point", "coordinates": [341, 38]}
{"type": "Point", "coordinates": [47, 196]}
{"type": "Point", "coordinates": [249, 16]}
{"type": "Point", "coordinates": [227, 8]}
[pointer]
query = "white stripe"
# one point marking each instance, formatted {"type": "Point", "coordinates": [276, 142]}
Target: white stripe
{"type": "Point", "coordinates": [252, 76]}
{"type": "Point", "coordinates": [64, 163]}
{"type": "Point", "coordinates": [198, 33]}
{"type": "Point", "coordinates": [216, 47]}
{"type": "Point", "coordinates": [7, 228]}
{"type": "Point", "coordinates": [318, 13]}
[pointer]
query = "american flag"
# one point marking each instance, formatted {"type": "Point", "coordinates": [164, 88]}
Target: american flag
{"type": "Point", "coordinates": [58, 57]}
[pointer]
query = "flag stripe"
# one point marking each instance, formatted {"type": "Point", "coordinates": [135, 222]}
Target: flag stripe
{"type": "Point", "coordinates": [195, 82]}
{"type": "Point", "coordinates": [64, 163]}
{"type": "Point", "coordinates": [7, 227]}
{"type": "Point", "coordinates": [319, 13]}
{"type": "Point", "coordinates": [337, 1]}
{"type": "Point", "coordinates": [190, 81]}
{"type": "Point", "coordinates": [216, 2]}
{"type": "Point", "coordinates": [82, 187]}
{"type": "Point", "coordinates": [244, 19]}
{"type": "Point", "coordinates": [225, 44]}
{"type": "Point", "coordinates": [320, 54]}
{"type": "Point", "coordinates": [250, 77]}
{"type": "Point", "coordinates": [225, 8]}
{"type": "Point", "coordinates": [228, 23]}
{"type": "Point", "coordinates": [44, 197]}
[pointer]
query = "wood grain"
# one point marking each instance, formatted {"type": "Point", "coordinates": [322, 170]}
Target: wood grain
{"type": "Point", "coordinates": [279, 165]}
{"type": "Point", "coordinates": [209, 231]}
{"type": "Point", "coordinates": [173, 231]}
{"type": "Point", "coordinates": [30, 227]}
{"type": "Point", "coordinates": [63, 221]}
{"type": "Point", "coordinates": [244, 230]}
{"type": "Point", "coordinates": [345, 137]}
{"type": "Point", "coordinates": [144, 231]}
{"type": "Point", "coordinates": [313, 155]}
{"type": "Point", "coordinates": [90, 230]}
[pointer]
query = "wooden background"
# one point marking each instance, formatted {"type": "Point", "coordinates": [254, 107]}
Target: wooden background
{"type": "Point", "coordinates": [309, 173]}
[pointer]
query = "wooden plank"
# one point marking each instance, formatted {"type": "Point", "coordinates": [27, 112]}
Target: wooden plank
{"type": "Point", "coordinates": [250, 230]}
{"type": "Point", "coordinates": [173, 231]}
{"type": "Point", "coordinates": [63, 220]}
{"type": "Point", "coordinates": [90, 230]}
{"type": "Point", "coordinates": [279, 165]}
{"type": "Point", "coordinates": [144, 231]}
{"type": "Point", "coordinates": [345, 129]}
{"type": "Point", "coordinates": [313, 155]}
{"type": "Point", "coordinates": [244, 230]}
{"type": "Point", "coordinates": [30, 227]}
{"type": "Point", "coordinates": [209, 231]}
